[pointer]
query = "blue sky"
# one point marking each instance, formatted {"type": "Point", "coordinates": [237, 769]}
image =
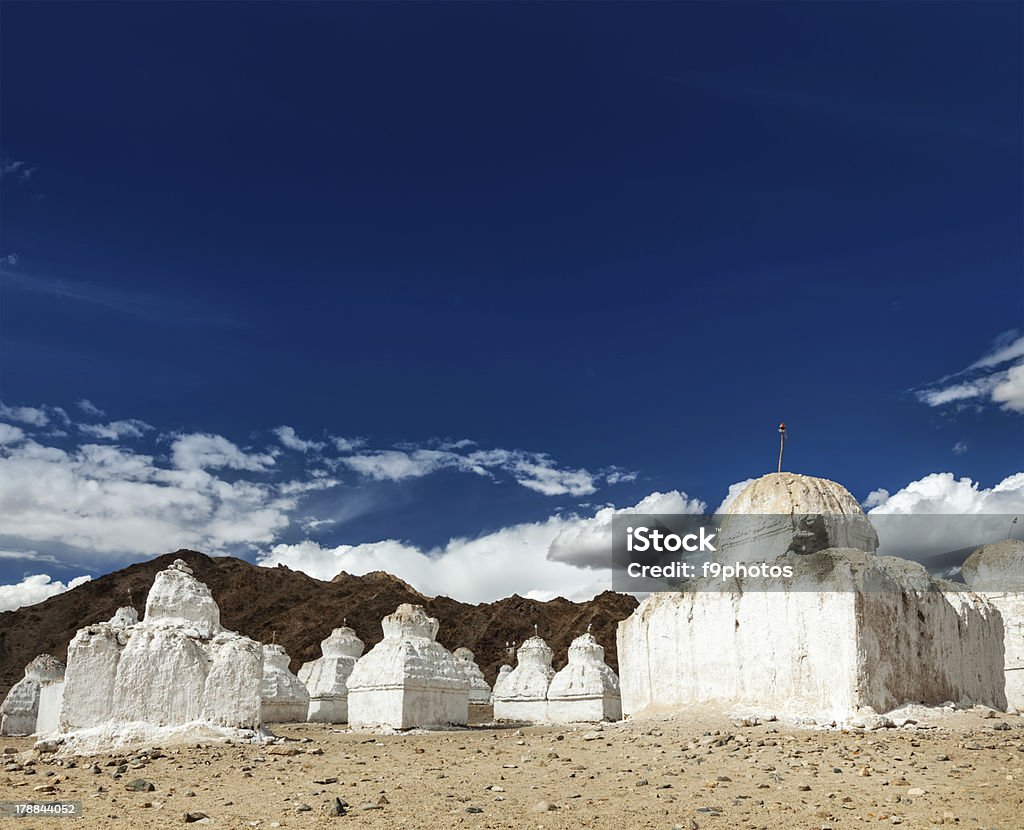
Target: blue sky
{"type": "Point", "coordinates": [616, 243]}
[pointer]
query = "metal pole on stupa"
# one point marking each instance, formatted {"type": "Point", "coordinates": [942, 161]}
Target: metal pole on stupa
{"type": "Point", "coordinates": [1012, 524]}
{"type": "Point", "coordinates": [782, 442]}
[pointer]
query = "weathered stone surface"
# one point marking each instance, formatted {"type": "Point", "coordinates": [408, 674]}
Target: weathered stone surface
{"type": "Point", "coordinates": [284, 697]}
{"type": "Point", "coordinates": [997, 572]}
{"type": "Point", "coordinates": [326, 677]}
{"type": "Point", "coordinates": [801, 514]}
{"type": "Point", "coordinates": [586, 689]}
{"type": "Point", "coordinates": [176, 668]}
{"type": "Point", "coordinates": [849, 630]}
{"type": "Point", "coordinates": [522, 694]}
{"type": "Point", "coordinates": [408, 680]}
{"type": "Point", "coordinates": [20, 708]}
{"type": "Point", "coordinates": [479, 691]}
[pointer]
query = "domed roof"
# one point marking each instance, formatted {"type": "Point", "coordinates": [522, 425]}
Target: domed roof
{"type": "Point", "coordinates": [997, 567]}
{"type": "Point", "coordinates": [409, 621]}
{"type": "Point", "coordinates": [179, 599]}
{"type": "Point", "coordinates": [342, 642]}
{"type": "Point", "coordinates": [789, 493]}
{"type": "Point", "coordinates": [802, 514]}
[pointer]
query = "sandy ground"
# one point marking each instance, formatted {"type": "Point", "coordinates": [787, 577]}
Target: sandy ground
{"type": "Point", "coordinates": [698, 770]}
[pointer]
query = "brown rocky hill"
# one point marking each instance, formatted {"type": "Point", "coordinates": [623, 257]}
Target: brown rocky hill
{"type": "Point", "coordinates": [297, 611]}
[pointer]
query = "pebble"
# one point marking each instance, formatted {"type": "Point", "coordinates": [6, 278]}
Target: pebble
{"type": "Point", "coordinates": [544, 807]}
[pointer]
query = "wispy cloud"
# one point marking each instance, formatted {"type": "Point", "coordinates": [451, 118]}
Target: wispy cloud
{"type": "Point", "coordinates": [995, 378]}
{"type": "Point", "coordinates": [156, 308]}
{"type": "Point", "coordinates": [89, 408]}
{"type": "Point", "coordinates": [21, 171]}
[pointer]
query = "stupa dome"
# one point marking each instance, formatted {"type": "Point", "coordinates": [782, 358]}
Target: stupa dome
{"type": "Point", "coordinates": [342, 642]}
{"type": "Point", "coordinates": [802, 514]}
{"type": "Point", "coordinates": [997, 567]}
{"type": "Point", "coordinates": [409, 621]}
{"type": "Point", "coordinates": [177, 598]}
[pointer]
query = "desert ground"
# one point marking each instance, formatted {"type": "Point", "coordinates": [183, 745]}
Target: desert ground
{"type": "Point", "coordinates": [961, 769]}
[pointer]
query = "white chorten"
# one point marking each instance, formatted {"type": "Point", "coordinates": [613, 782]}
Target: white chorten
{"type": "Point", "coordinates": [586, 689]}
{"type": "Point", "coordinates": [523, 693]}
{"type": "Point", "coordinates": [997, 572]}
{"type": "Point", "coordinates": [20, 709]}
{"type": "Point", "coordinates": [174, 669]}
{"type": "Point", "coordinates": [848, 630]}
{"type": "Point", "coordinates": [408, 680]}
{"type": "Point", "coordinates": [503, 672]}
{"type": "Point", "coordinates": [284, 698]}
{"type": "Point", "coordinates": [479, 691]}
{"type": "Point", "coordinates": [325, 678]}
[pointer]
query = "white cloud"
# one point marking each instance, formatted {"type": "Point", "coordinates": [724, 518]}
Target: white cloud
{"type": "Point", "coordinates": [940, 513]}
{"type": "Point", "coordinates": [734, 491]}
{"type": "Point", "coordinates": [289, 439]}
{"type": "Point", "coordinates": [565, 556]}
{"type": "Point", "coordinates": [346, 444]}
{"type": "Point", "coordinates": [116, 430]}
{"type": "Point", "coordinates": [33, 589]}
{"type": "Point", "coordinates": [201, 451]}
{"type": "Point", "coordinates": [89, 408]}
{"type": "Point", "coordinates": [105, 500]}
{"type": "Point", "coordinates": [10, 434]}
{"type": "Point", "coordinates": [33, 416]}
{"type": "Point", "coordinates": [20, 170]}
{"type": "Point", "coordinates": [10, 260]}
{"type": "Point", "coordinates": [1009, 392]}
{"type": "Point", "coordinates": [959, 448]}
{"type": "Point", "coordinates": [987, 380]}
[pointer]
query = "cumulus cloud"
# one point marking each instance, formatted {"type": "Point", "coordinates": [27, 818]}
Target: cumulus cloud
{"type": "Point", "coordinates": [104, 500]}
{"type": "Point", "coordinates": [33, 589]}
{"type": "Point", "coordinates": [10, 434]}
{"type": "Point", "coordinates": [116, 430]}
{"type": "Point", "coordinates": [290, 440]}
{"type": "Point", "coordinates": [995, 378]}
{"type": "Point", "coordinates": [565, 556]}
{"type": "Point", "coordinates": [202, 451]}
{"type": "Point", "coordinates": [31, 415]}
{"type": "Point", "coordinates": [941, 513]}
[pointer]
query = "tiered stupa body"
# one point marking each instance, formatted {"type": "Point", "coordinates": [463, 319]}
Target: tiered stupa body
{"type": "Point", "coordinates": [20, 708]}
{"type": "Point", "coordinates": [586, 689]}
{"type": "Point", "coordinates": [523, 694]}
{"type": "Point", "coordinates": [479, 691]}
{"type": "Point", "coordinates": [325, 678]}
{"type": "Point", "coordinates": [177, 667]}
{"type": "Point", "coordinates": [997, 572]}
{"type": "Point", "coordinates": [284, 697]}
{"type": "Point", "coordinates": [848, 631]}
{"type": "Point", "coordinates": [408, 680]}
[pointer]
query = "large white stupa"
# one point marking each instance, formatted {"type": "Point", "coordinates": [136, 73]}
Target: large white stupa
{"type": "Point", "coordinates": [586, 689]}
{"type": "Point", "coordinates": [325, 678]}
{"type": "Point", "coordinates": [522, 695]}
{"type": "Point", "coordinates": [177, 674]}
{"type": "Point", "coordinates": [997, 572]}
{"type": "Point", "coordinates": [408, 679]}
{"type": "Point", "coordinates": [284, 698]}
{"type": "Point", "coordinates": [479, 691]}
{"type": "Point", "coordinates": [20, 708]}
{"type": "Point", "coordinates": [849, 630]}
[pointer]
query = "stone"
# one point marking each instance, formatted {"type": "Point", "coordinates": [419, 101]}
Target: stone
{"type": "Point", "coordinates": [20, 709]}
{"type": "Point", "coordinates": [325, 677]}
{"type": "Point", "coordinates": [586, 689]}
{"type": "Point", "coordinates": [408, 680]}
{"type": "Point", "coordinates": [284, 697]}
{"type": "Point", "coordinates": [479, 691]}
{"type": "Point", "coordinates": [140, 785]}
{"type": "Point", "coordinates": [522, 694]}
{"type": "Point", "coordinates": [784, 513]}
{"type": "Point", "coordinates": [997, 572]}
{"type": "Point", "coordinates": [177, 675]}
{"type": "Point", "coordinates": [848, 630]}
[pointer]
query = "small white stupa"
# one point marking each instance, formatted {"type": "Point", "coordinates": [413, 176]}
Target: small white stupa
{"type": "Point", "coordinates": [408, 680]}
{"type": "Point", "coordinates": [586, 689]}
{"type": "Point", "coordinates": [503, 672]}
{"type": "Point", "coordinates": [20, 709]}
{"type": "Point", "coordinates": [479, 691]}
{"type": "Point", "coordinates": [997, 572]}
{"type": "Point", "coordinates": [849, 631]}
{"type": "Point", "coordinates": [177, 675]}
{"type": "Point", "coordinates": [325, 678]}
{"type": "Point", "coordinates": [522, 694]}
{"type": "Point", "coordinates": [284, 698]}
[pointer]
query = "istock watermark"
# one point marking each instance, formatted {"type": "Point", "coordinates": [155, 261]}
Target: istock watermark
{"type": "Point", "coordinates": [787, 552]}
